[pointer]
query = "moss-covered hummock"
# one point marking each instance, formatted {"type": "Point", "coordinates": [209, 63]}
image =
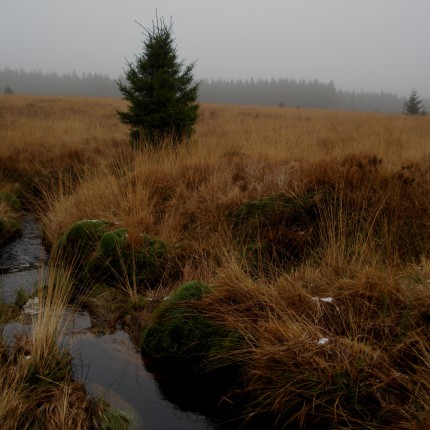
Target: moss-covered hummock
{"type": "Point", "coordinates": [82, 238]}
{"type": "Point", "coordinates": [105, 255]}
{"type": "Point", "coordinates": [188, 352]}
{"type": "Point", "coordinates": [113, 243]}
{"type": "Point", "coordinates": [177, 331]}
{"type": "Point", "coordinates": [182, 340]}
{"type": "Point", "coordinates": [116, 259]}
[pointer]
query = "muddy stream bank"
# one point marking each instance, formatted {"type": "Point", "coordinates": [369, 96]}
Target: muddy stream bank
{"type": "Point", "coordinates": [109, 365]}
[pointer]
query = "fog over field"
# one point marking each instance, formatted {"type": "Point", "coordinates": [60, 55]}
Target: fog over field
{"type": "Point", "coordinates": [367, 45]}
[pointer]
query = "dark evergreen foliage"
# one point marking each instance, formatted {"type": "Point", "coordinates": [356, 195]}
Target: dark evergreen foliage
{"type": "Point", "coordinates": [8, 90]}
{"type": "Point", "coordinates": [414, 105]}
{"type": "Point", "coordinates": [161, 91]}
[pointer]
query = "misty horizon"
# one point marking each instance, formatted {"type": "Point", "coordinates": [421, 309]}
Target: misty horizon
{"type": "Point", "coordinates": [263, 92]}
{"type": "Point", "coordinates": [361, 46]}
{"type": "Point", "coordinates": [83, 74]}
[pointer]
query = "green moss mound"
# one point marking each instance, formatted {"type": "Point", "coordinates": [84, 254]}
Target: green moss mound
{"type": "Point", "coordinates": [151, 260]}
{"type": "Point", "coordinates": [105, 255]}
{"type": "Point", "coordinates": [116, 260]}
{"type": "Point", "coordinates": [113, 243]}
{"type": "Point", "coordinates": [176, 329]}
{"type": "Point", "coordinates": [189, 352]}
{"type": "Point", "coordinates": [79, 244]}
{"type": "Point", "coordinates": [182, 338]}
{"type": "Point", "coordinates": [193, 290]}
{"type": "Point", "coordinates": [83, 236]}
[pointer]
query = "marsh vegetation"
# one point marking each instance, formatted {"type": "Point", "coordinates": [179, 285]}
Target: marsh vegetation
{"type": "Point", "coordinates": [278, 263]}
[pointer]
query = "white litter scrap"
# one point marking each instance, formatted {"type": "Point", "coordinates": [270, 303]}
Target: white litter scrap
{"type": "Point", "coordinates": [324, 299]}
{"type": "Point", "coordinates": [323, 340]}
{"type": "Point", "coordinates": [31, 307]}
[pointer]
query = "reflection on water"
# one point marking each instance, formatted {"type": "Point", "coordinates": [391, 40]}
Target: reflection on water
{"type": "Point", "coordinates": [111, 367]}
{"type": "Point", "coordinates": [10, 283]}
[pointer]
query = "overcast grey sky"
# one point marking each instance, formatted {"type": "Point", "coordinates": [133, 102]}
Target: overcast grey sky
{"type": "Point", "coordinates": [369, 45]}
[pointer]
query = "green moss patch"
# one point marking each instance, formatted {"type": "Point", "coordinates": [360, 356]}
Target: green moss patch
{"type": "Point", "coordinates": [113, 243]}
{"type": "Point", "coordinates": [188, 352]}
{"type": "Point", "coordinates": [181, 338]}
{"type": "Point", "coordinates": [83, 237]}
{"type": "Point", "coordinates": [116, 260]}
{"type": "Point", "coordinates": [105, 255]}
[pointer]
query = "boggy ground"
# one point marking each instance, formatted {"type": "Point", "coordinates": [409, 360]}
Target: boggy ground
{"type": "Point", "coordinates": [283, 253]}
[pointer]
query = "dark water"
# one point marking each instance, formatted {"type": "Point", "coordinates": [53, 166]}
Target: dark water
{"type": "Point", "coordinates": [21, 260]}
{"type": "Point", "coordinates": [109, 365]}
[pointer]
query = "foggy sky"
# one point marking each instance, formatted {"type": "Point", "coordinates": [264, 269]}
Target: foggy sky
{"type": "Point", "coordinates": [370, 45]}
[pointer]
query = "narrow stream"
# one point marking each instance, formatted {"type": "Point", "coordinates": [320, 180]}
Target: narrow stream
{"type": "Point", "coordinates": [109, 365]}
{"type": "Point", "coordinates": [20, 261]}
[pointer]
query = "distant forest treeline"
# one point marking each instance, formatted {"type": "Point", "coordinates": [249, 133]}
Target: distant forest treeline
{"type": "Point", "coordinates": [39, 83]}
{"type": "Point", "coordinates": [293, 93]}
{"type": "Point", "coordinates": [273, 92]}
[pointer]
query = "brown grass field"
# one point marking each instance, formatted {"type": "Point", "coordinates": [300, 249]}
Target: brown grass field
{"type": "Point", "coordinates": [360, 183]}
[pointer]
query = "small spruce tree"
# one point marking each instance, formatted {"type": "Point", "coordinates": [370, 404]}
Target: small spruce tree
{"type": "Point", "coordinates": [414, 105]}
{"type": "Point", "coordinates": [8, 90]}
{"type": "Point", "coordinates": [161, 91]}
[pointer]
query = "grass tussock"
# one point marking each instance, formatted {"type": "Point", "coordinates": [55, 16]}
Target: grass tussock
{"type": "Point", "coordinates": [327, 351]}
{"type": "Point", "coordinates": [311, 227]}
{"type": "Point", "coordinates": [38, 390]}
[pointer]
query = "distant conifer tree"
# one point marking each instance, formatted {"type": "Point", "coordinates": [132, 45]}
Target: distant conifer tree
{"type": "Point", "coordinates": [8, 90]}
{"type": "Point", "coordinates": [161, 91]}
{"type": "Point", "coordinates": [414, 105]}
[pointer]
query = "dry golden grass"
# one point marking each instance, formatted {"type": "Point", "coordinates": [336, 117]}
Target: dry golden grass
{"type": "Point", "coordinates": [369, 175]}
{"type": "Point", "coordinates": [6, 211]}
{"type": "Point", "coordinates": [238, 153]}
{"type": "Point", "coordinates": [326, 350]}
{"type": "Point", "coordinates": [56, 140]}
